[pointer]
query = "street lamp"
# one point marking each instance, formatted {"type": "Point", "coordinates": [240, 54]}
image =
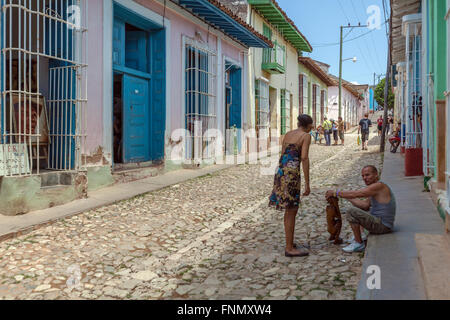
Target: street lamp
{"type": "Point", "coordinates": [354, 59]}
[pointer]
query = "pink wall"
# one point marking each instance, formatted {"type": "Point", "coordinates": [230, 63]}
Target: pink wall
{"type": "Point", "coordinates": [181, 25]}
{"type": "Point", "coordinates": [184, 25]}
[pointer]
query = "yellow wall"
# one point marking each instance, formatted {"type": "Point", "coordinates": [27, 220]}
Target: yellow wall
{"type": "Point", "coordinates": [313, 79]}
{"type": "Point", "coordinates": [288, 81]}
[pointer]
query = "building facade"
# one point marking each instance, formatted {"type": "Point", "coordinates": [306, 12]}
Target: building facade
{"type": "Point", "coordinates": [93, 91]}
{"type": "Point", "coordinates": [313, 89]}
{"type": "Point", "coordinates": [419, 51]}
{"type": "Point", "coordinates": [351, 103]}
{"type": "Point", "coordinates": [273, 103]}
{"type": "Point", "coordinates": [365, 97]}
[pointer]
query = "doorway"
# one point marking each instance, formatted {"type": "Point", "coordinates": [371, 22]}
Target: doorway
{"type": "Point", "coordinates": [233, 108]}
{"type": "Point", "coordinates": [139, 89]}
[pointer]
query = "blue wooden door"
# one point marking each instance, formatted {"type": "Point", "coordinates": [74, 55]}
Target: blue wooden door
{"type": "Point", "coordinates": [158, 94]}
{"type": "Point", "coordinates": [136, 50]}
{"type": "Point", "coordinates": [236, 102]}
{"type": "Point", "coordinates": [119, 42]}
{"type": "Point", "coordinates": [135, 120]}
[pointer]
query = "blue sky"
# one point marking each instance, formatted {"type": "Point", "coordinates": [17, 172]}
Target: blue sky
{"type": "Point", "coordinates": [319, 21]}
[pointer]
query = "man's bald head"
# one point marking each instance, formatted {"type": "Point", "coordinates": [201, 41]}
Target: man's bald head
{"type": "Point", "coordinates": [372, 168]}
{"type": "Point", "coordinates": [370, 174]}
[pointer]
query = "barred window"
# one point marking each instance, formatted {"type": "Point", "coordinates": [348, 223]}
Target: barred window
{"type": "Point", "coordinates": [303, 94]}
{"type": "Point", "coordinates": [262, 107]}
{"type": "Point", "coordinates": [285, 111]}
{"type": "Point", "coordinates": [322, 105]}
{"type": "Point", "coordinates": [315, 104]}
{"type": "Point", "coordinates": [200, 101]}
{"type": "Point", "coordinates": [42, 123]}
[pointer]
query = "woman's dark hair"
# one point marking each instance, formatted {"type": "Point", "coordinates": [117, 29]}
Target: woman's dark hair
{"type": "Point", "coordinates": [304, 120]}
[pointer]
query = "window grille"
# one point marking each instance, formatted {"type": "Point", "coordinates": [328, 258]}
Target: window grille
{"type": "Point", "coordinates": [262, 108]}
{"type": "Point", "coordinates": [200, 99]}
{"type": "Point", "coordinates": [300, 94]}
{"type": "Point", "coordinates": [303, 94]}
{"type": "Point", "coordinates": [428, 135]}
{"type": "Point", "coordinates": [322, 105]}
{"type": "Point", "coordinates": [415, 103]}
{"type": "Point", "coordinates": [44, 86]}
{"type": "Point", "coordinates": [285, 111]}
{"type": "Point", "coordinates": [316, 104]}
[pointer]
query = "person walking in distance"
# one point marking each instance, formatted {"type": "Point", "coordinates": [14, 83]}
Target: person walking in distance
{"type": "Point", "coordinates": [341, 129]}
{"type": "Point", "coordinates": [335, 132]}
{"type": "Point", "coordinates": [364, 129]}
{"type": "Point", "coordinates": [380, 125]}
{"type": "Point", "coordinates": [327, 127]}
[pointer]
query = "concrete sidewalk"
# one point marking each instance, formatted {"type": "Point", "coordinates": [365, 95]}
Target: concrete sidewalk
{"type": "Point", "coordinates": [396, 254]}
{"type": "Point", "coordinates": [14, 226]}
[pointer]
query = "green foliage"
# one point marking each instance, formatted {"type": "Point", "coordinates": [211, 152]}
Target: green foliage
{"type": "Point", "coordinates": [379, 94]}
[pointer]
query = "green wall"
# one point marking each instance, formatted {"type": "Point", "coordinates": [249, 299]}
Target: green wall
{"type": "Point", "coordinates": [437, 56]}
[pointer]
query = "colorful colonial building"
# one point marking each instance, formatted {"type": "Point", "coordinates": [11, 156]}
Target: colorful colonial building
{"type": "Point", "coordinates": [98, 92]}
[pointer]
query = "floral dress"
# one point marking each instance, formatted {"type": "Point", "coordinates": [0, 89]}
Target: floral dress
{"type": "Point", "coordinates": [286, 186]}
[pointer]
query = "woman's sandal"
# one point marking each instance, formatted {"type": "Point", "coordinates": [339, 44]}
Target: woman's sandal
{"type": "Point", "coordinates": [305, 246]}
{"type": "Point", "coordinates": [301, 254]}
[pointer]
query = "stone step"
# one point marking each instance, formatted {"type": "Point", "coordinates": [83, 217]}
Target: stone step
{"type": "Point", "coordinates": [55, 187]}
{"type": "Point", "coordinates": [56, 178]}
{"type": "Point", "coordinates": [434, 259]}
{"type": "Point", "coordinates": [125, 175]}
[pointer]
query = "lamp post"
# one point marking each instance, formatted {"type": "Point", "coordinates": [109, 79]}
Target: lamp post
{"type": "Point", "coordinates": [340, 63]}
{"type": "Point", "coordinates": [354, 59]}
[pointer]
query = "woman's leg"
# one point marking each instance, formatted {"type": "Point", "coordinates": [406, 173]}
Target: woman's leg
{"type": "Point", "coordinates": [289, 227]}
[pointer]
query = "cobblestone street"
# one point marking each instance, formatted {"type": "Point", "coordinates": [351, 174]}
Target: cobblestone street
{"type": "Point", "coordinates": [209, 238]}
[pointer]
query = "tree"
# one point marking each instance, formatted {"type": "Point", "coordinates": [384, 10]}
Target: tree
{"type": "Point", "coordinates": [379, 94]}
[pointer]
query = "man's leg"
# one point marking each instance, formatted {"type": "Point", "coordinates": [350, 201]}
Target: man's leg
{"type": "Point", "coordinates": [365, 220]}
{"type": "Point", "coordinates": [356, 228]}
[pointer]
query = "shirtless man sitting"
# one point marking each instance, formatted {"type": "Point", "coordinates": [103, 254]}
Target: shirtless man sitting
{"type": "Point", "coordinates": [380, 204]}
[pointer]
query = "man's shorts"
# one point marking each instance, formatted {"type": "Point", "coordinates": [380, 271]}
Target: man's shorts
{"type": "Point", "coordinates": [364, 136]}
{"type": "Point", "coordinates": [341, 135]}
{"type": "Point", "coordinates": [368, 221]}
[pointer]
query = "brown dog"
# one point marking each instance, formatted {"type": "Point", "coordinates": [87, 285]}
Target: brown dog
{"type": "Point", "coordinates": [334, 220]}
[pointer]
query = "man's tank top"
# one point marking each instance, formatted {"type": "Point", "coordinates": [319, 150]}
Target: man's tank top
{"type": "Point", "coordinates": [386, 212]}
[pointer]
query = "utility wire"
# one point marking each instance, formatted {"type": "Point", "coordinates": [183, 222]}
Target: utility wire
{"type": "Point", "coordinates": [372, 60]}
{"type": "Point", "coordinates": [363, 3]}
{"type": "Point", "coordinates": [318, 45]}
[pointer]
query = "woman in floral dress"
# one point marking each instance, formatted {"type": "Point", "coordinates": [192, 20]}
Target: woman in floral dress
{"type": "Point", "coordinates": [287, 181]}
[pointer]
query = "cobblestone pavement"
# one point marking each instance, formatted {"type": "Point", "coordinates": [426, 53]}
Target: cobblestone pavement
{"type": "Point", "coordinates": [209, 238]}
